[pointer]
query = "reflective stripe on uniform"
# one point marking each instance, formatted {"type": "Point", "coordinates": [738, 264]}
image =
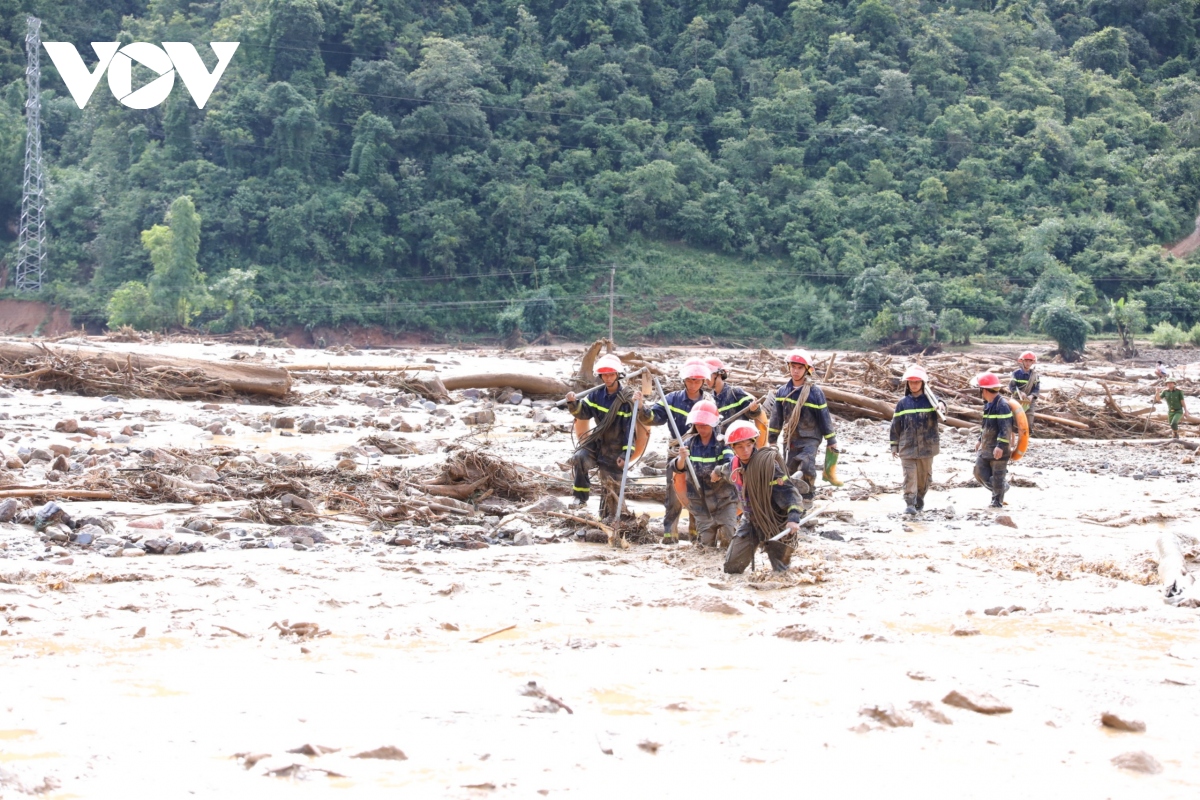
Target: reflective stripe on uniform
{"type": "Point", "coordinates": [588, 400]}
{"type": "Point", "coordinates": [745, 399]}
{"type": "Point", "coordinates": [818, 408]}
{"type": "Point", "coordinates": [998, 416]}
{"type": "Point", "coordinates": [701, 459]}
{"type": "Point", "coordinates": [913, 411]}
{"type": "Point", "coordinates": [785, 400]}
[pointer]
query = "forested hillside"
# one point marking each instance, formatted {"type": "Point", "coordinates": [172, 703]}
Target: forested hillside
{"type": "Point", "coordinates": [820, 170]}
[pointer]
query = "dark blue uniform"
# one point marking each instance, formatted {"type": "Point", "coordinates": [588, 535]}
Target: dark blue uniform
{"type": "Point", "coordinates": [604, 451]}
{"type": "Point", "coordinates": [678, 405]}
{"type": "Point", "coordinates": [915, 438]}
{"type": "Point", "coordinates": [997, 431]}
{"type": "Point", "coordinates": [815, 425]}
{"type": "Point", "coordinates": [716, 518]}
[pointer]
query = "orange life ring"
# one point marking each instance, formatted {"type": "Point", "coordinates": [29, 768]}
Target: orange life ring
{"type": "Point", "coordinates": [1022, 428]}
{"type": "Point", "coordinates": [640, 439]}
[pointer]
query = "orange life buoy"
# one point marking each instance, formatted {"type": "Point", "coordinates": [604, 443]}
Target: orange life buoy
{"type": "Point", "coordinates": [1022, 430]}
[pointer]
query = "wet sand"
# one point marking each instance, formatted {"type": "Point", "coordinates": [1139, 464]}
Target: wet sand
{"type": "Point", "coordinates": [677, 676]}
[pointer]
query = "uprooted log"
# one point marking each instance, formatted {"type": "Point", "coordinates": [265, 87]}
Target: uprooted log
{"type": "Point", "coordinates": [528, 385]}
{"type": "Point", "coordinates": [869, 407]}
{"type": "Point", "coordinates": [356, 368]}
{"type": "Point", "coordinates": [93, 372]}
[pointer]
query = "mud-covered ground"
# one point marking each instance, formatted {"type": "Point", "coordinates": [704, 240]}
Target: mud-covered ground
{"type": "Point", "coordinates": [637, 672]}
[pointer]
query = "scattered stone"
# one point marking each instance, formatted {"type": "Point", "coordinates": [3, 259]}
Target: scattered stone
{"type": "Point", "coordinates": [49, 514]}
{"type": "Point", "coordinates": [1118, 723]}
{"type": "Point", "coordinates": [649, 746]}
{"type": "Point", "coordinates": [307, 426]}
{"type": "Point", "coordinates": [967, 631]}
{"type": "Point", "coordinates": [918, 676]}
{"type": "Point", "coordinates": [8, 509]}
{"type": "Point", "coordinates": [201, 473]}
{"type": "Point", "coordinates": [1006, 520]}
{"type": "Point", "coordinates": [1139, 761]}
{"type": "Point", "coordinates": [979, 702]}
{"type": "Point", "coordinates": [886, 714]}
{"type": "Point", "coordinates": [12, 462]}
{"type": "Point", "coordinates": [387, 752]}
{"type": "Point", "coordinates": [485, 417]}
{"type": "Point", "coordinates": [930, 712]}
{"type": "Point", "coordinates": [156, 546]}
{"type": "Point", "coordinates": [148, 524]}
{"type": "Point", "coordinates": [347, 465]}
{"type": "Point", "coordinates": [66, 562]}
{"type": "Point", "coordinates": [516, 398]}
{"type": "Point", "coordinates": [40, 454]}
{"type": "Point", "coordinates": [798, 633]}
{"type": "Point", "coordinates": [67, 426]}
{"type": "Point", "coordinates": [199, 524]}
{"type": "Point", "coordinates": [524, 539]}
{"type": "Point", "coordinates": [132, 552]}
{"type": "Point", "coordinates": [713, 605]}
{"type": "Point", "coordinates": [372, 401]}
{"type": "Point", "coordinates": [298, 503]}
{"type": "Point", "coordinates": [283, 422]}
{"type": "Point", "coordinates": [86, 535]}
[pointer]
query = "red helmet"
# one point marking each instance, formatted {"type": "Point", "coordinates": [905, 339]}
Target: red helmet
{"type": "Point", "coordinates": [696, 369]}
{"type": "Point", "coordinates": [915, 372]}
{"type": "Point", "coordinates": [800, 357]}
{"type": "Point", "coordinates": [704, 413]}
{"type": "Point", "coordinates": [608, 363]}
{"type": "Point", "coordinates": [740, 431]}
{"type": "Point", "coordinates": [987, 380]}
{"type": "Point", "coordinates": [715, 365]}
{"type": "Point", "coordinates": [1027, 356]}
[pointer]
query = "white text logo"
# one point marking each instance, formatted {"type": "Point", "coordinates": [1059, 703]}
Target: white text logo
{"type": "Point", "coordinates": [178, 57]}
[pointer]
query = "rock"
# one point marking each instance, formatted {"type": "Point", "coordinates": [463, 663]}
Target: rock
{"type": "Point", "coordinates": [595, 536]}
{"type": "Point", "coordinates": [523, 539]}
{"type": "Point", "coordinates": [516, 398]}
{"type": "Point", "coordinates": [540, 417]}
{"type": "Point", "coordinates": [67, 426]}
{"type": "Point", "coordinates": [347, 465]}
{"type": "Point", "coordinates": [57, 535]}
{"type": "Point", "coordinates": [108, 541]}
{"type": "Point", "coordinates": [887, 715]}
{"type": "Point", "coordinates": [283, 422]}
{"type": "Point", "coordinates": [103, 523]}
{"type": "Point", "coordinates": [387, 752]}
{"type": "Point", "coordinates": [798, 633]}
{"type": "Point", "coordinates": [8, 509]}
{"type": "Point", "coordinates": [429, 405]}
{"type": "Point", "coordinates": [1118, 723]}
{"type": "Point", "coordinates": [471, 394]}
{"type": "Point", "coordinates": [1138, 476]}
{"type": "Point", "coordinates": [298, 533]}
{"type": "Point", "coordinates": [201, 473]}
{"type": "Point", "coordinates": [12, 462]}
{"type": "Point", "coordinates": [964, 631]}
{"type": "Point", "coordinates": [147, 524]}
{"type": "Point", "coordinates": [485, 417]}
{"type": "Point", "coordinates": [298, 503]}
{"type": "Point", "coordinates": [713, 605]}
{"type": "Point", "coordinates": [1006, 520]}
{"type": "Point", "coordinates": [86, 535]}
{"type": "Point", "coordinates": [307, 426]}
{"type": "Point", "coordinates": [156, 546]}
{"type": "Point", "coordinates": [40, 454]}
{"type": "Point", "coordinates": [199, 524]}
{"type": "Point", "coordinates": [60, 464]}
{"type": "Point", "coordinates": [979, 702]}
{"type": "Point", "coordinates": [372, 401]}
{"type": "Point", "coordinates": [547, 503]}
{"type": "Point", "coordinates": [1139, 761]}
{"type": "Point", "coordinates": [132, 552]}
{"type": "Point", "coordinates": [66, 562]}
{"type": "Point", "coordinates": [110, 398]}
{"type": "Point", "coordinates": [48, 514]}
{"type": "Point", "coordinates": [930, 712]}
{"type": "Point", "coordinates": [60, 450]}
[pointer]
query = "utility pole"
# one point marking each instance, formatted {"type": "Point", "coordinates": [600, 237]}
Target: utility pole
{"type": "Point", "coordinates": [31, 240]}
{"type": "Point", "coordinates": [612, 277]}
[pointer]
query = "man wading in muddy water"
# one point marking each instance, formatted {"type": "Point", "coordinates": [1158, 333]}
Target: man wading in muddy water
{"type": "Point", "coordinates": [914, 437]}
{"type": "Point", "coordinates": [769, 500]}
{"type": "Point", "coordinates": [713, 503]}
{"type": "Point", "coordinates": [606, 445]}
{"type": "Point", "coordinates": [994, 445]}
{"type": "Point", "coordinates": [678, 404]}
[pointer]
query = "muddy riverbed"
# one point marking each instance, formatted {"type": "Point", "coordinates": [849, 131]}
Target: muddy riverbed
{"type": "Point", "coordinates": [636, 672]}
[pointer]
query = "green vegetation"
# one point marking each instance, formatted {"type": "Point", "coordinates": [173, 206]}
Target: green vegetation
{"type": "Point", "coordinates": [851, 171]}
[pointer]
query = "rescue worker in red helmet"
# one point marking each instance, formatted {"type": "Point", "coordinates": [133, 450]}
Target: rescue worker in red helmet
{"type": "Point", "coordinates": [768, 497]}
{"type": "Point", "coordinates": [606, 444]}
{"type": "Point", "coordinates": [693, 373]}
{"type": "Point", "coordinates": [801, 417]}
{"type": "Point", "coordinates": [1026, 385]}
{"type": "Point", "coordinates": [730, 399]}
{"type": "Point", "coordinates": [995, 439]}
{"type": "Point", "coordinates": [915, 437]}
{"type": "Point", "coordinates": [712, 504]}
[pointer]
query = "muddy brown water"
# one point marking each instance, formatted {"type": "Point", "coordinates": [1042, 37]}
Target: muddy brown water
{"type": "Point", "coordinates": [678, 682]}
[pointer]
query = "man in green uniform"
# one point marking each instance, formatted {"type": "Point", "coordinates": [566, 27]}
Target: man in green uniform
{"type": "Point", "coordinates": [1174, 400]}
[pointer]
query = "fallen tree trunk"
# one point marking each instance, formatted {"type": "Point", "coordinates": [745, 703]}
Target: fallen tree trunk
{"type": "Point", "coordinates": [66, 494]}
{"type": "Point", "coordinates": [527, 384]}
{"type": "Point", "coordinates": [351, 368]}
{"type": "Point", "coordinates": [878, 409]}
{"type": "Point", "coordinates": [238, 377]}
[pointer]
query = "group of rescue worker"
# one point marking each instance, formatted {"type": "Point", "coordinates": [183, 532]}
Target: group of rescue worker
{"type": "Point", "coordinates": [748, 478]}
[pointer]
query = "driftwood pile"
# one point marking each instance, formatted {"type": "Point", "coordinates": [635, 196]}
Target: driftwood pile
{"type": "Point", "coordinates": [102, 372]}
